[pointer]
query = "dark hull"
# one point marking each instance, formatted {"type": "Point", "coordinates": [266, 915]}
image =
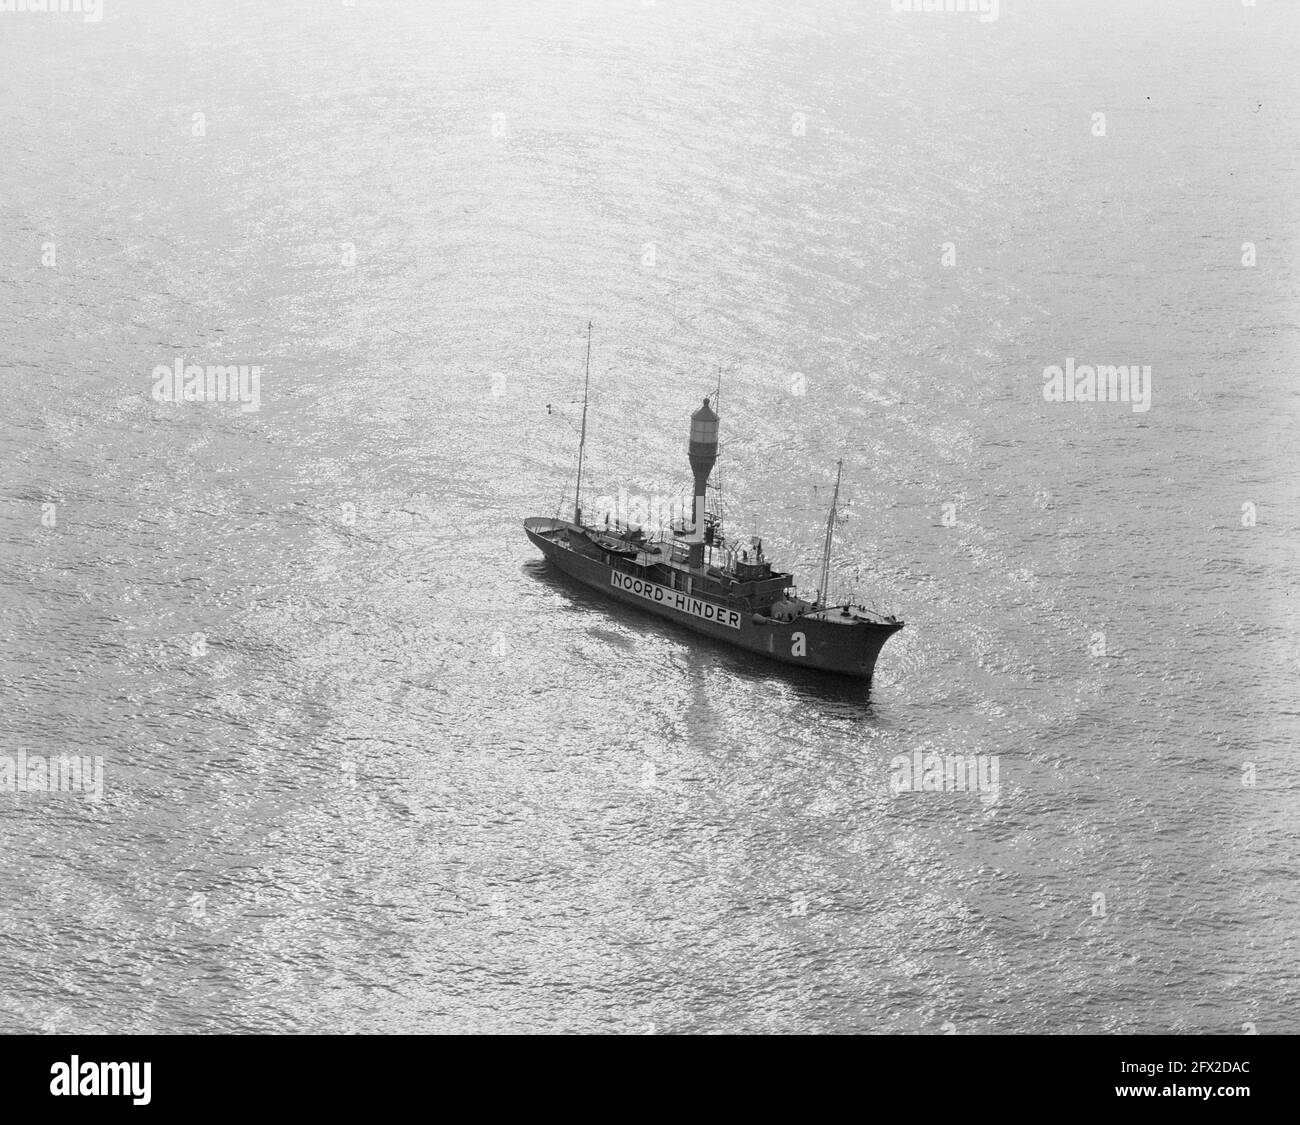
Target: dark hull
{"type": "Point", "coordinates": [806, 642]}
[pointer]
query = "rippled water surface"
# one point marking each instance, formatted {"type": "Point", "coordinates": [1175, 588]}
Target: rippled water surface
{"type": "Point", "coordinates": [370, 766]}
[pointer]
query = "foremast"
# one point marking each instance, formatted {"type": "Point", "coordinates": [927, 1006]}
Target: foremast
{"type": "Point", "coordinates": [823, 593]}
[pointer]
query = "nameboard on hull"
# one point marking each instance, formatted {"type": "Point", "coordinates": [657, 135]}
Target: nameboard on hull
{"type": "Point", "coordinates": [676, 599]}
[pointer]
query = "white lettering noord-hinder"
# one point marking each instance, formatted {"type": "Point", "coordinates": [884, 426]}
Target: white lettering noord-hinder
{"type": "Point", "coordinates": [676, 599]}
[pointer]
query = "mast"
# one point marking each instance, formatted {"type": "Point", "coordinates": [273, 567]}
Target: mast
{"type": "Point", "coordinates": [717, 398]}
{"type": "Point", "coordinates": [830, 536]}
{"type": "Point", "coordinates": [702, 452]}
{"type": "Point", "coordinates": [582, 439]}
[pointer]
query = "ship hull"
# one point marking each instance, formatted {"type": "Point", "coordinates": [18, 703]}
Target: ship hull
{"type": "Point", "coordinates": [806, 642]}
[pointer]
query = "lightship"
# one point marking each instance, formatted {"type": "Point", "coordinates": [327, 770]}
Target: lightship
{"type": "Point", "coordinates": [695, 577]}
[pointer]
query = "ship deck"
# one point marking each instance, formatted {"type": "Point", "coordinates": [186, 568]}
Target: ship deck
{"type": "Point", "coordinates": [730, 585]}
